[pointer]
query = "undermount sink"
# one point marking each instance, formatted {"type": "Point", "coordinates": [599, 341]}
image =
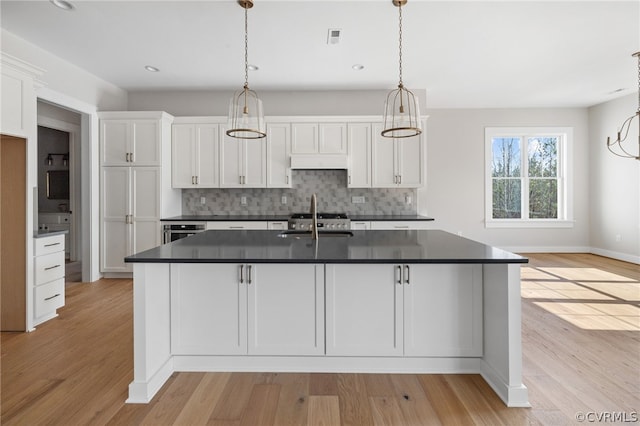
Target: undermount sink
{"type": "Point", "coordinates": [307, 234]}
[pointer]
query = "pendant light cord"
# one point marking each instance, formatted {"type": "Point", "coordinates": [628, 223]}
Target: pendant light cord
{"type": "Point", "coordinates": [246, 48]}
{"type": "Point", "coordinates": [400, 43]}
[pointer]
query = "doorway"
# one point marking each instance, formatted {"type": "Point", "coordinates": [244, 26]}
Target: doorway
{"type": "Point", "coordinates": [58, 180]}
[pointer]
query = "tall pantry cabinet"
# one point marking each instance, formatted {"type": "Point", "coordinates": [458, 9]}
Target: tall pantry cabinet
{"type": "Point", "coordinates": [135, 184]}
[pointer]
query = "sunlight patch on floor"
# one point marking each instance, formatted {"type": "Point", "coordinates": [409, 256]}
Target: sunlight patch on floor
{"type": "Point", "coordinates": [585, 297]}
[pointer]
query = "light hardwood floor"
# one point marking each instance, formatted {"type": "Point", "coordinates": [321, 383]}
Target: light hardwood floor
{"type": "Point", "coordinates": [581, 345]}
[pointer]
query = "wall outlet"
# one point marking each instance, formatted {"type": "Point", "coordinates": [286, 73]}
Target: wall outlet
{"type": "Point", "coordinates": [203, 200]}
{"type": "Point", "coordinates": [243, 200]}
{"type": "Point", "coordinates": [283, 199]}
{"type": "Point", "coordinates": [357, 200]}
{"type": "Point", "coordinates": [408, 199]}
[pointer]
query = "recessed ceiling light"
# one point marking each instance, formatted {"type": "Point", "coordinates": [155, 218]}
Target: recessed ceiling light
{"type": "Point", "coordinates": [253, 67]}
{"type": "Point", "coordinates": [357, 67]}
{"type": "Point", "coordinates": [62, 4]}
{"type": "Point", "coordinates": [151, 69]}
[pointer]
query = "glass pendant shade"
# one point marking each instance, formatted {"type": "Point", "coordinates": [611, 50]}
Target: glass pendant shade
{"type": "Point", "coordinates": [246, 118]}
{"type": "Point", "coordinates": [401, 114]}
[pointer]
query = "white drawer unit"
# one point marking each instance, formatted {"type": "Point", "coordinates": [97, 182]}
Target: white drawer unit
{"type": "Point", "coordinates": [390, 225]}
{"type": "Point", "coordinates": [46, 245]}
{"type": "Point", "coordinates": [237, 224]}
{"type": "Point", "coordinates": [49, 297]}
{"type": "Point", "coordinates": [49, 266]}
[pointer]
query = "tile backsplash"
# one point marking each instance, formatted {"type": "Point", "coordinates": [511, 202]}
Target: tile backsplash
{"type": "Point", "coordinates": [330, 186]}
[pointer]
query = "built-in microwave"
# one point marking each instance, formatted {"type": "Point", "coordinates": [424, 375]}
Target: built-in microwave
{"type": "Point", "coordinates": [173, 231]}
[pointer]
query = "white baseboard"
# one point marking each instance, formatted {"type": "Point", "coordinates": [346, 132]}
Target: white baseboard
{"type": "Point", "coordinates": [547, 249]}
{"type": "Point", "coordinates": [616, 255]}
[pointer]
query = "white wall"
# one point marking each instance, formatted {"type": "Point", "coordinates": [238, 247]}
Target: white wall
{"type": "Point", "coordinates": [614, 183]}
{"type": "Point", "coordinates": [64, 77]}
{"type": "Point", "coordinates": [456, 176]}
{"type": "Point", "coordinates": [207, 103]}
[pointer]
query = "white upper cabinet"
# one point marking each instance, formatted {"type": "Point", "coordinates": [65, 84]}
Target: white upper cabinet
{"type": "Point", "coordinates": [397, 162]}
{"type": "Point", "coordinates": [359, 149]}
{"type": "Point", "coordinates": [18, 108]}
{"type": "Point", "coordinates": [318, 138]}
{"type": "Point", "coordinates": [194, 155]}
{"type": "Point", "coordinates": [278, 155]}
{"type": "Point", "coordinates": [127, 142]}
{"type": "Point", "coordinates": [242, 162]}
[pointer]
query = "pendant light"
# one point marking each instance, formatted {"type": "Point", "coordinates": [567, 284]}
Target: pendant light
{"type": "Point", "coordinates": [401, 112]}
{"type": "Point", "coordinates": [626, 126]}
{"type": "Point", "coordinates": [246, 119]}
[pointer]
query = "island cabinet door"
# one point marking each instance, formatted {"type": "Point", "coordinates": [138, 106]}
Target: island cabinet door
{"type": "Point", "coordinates": [443, 310]}
{"type": "Point", "coordinates": [208, 310]}
{"type": "Point", "coordinates": [364, 310]}
{"type": "Point", "coordinates": [286, 309]}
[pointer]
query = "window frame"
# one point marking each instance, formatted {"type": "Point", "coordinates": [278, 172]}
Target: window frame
{"type": "Point", "coordinates": [564, 178]}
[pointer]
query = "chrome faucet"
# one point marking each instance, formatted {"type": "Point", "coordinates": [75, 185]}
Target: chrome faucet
{"type": "Point", "coordinates": [314, 217]}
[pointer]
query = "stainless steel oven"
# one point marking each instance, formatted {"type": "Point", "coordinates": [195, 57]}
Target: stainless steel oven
{"type": "Point", "coordinates": [172, 231]}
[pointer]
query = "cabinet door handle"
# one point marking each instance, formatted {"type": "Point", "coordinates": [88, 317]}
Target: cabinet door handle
{"type": "Point", "coordinates": [52, 297]}
{"type": "Point", "coordinates": [193, 182]}
{"type": "Point", "coordinates": [131, 156]}
{"type": "Point", "coordinates": [126, 157]}
{"type": "Point", "coordinates": [51, 267]}
{"type": "Point", "coordinates": [196, 180]}
{"type": "Point", "coordinates": [241, 274]}
{"type": "Point", "coordinates": [51, 245]}
{"type": "Point", "coordinates": [400, 179]}
{"type": "Point", "coordinates": [407, 279]}
{"type": "Point", "coordinates": [236, 227]}
{"type": "Point", "coordinates": [286, 179]}
{"type": "Point", "coordinates": [399, 270]}
{"type": "Point", "coordinates": [349, 179]}
{"type": "Point", "coordinates": [401, 227]}
{"type": "Point", "coordinates": [248, 274]}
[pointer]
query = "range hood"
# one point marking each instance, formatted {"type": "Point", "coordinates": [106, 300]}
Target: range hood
{"type": "Point", "coordinates": [319, 161]}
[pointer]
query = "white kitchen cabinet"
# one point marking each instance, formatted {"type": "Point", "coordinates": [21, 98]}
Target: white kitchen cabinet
{"type": "Point", "coordinates": [390, 225]}
{"type": "Point", "coordinates": [360, 225]}
{"type": "Point", "coordinates": [359, 150]}
{"type": "Point", "coordinates": [404, 310]}
{"type": "Point", "coordinates": [242, 162]}
{"type": "Point", "coordinates": [232, 309]}
{"type": "Point", "coordinates": [278, 225]}
{"type": "Point", "coordinates": [442, 310]}
{"type": "Point", "coordinates": [18, 103]}
{"type": "Point", "coordinates": [397, 162]}
{"type": "Point", "coordinates": [130, 214]}
{"type": "Point", "coordinates": [129, 142]}
{"type": "Point", "coordinates": [278, 155]}
{"type": "Point", "coordinates": [49, 270]}
{"type": "Point", "coordinates": [194, 155]}
{"type": "Point", "coordinates": [135, 189]}
{"type": "Point", "coordinates": [208, 309]}
{"type": "Point", "coordinates": [319, 138]}
{"type": "Point", "coordinates": [286, 309]}
{"type": "Point", "coordinates": [364, 310]}
{"type": "Point", "coordinates": [238, 224]}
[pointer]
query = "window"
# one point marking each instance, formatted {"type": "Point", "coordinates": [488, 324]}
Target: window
{"type": "Point", "coordinates": [527, 177]}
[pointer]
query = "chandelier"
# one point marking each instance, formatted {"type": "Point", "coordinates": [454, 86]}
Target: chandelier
{"type": "Point", "coordinates": [616, 146]}
{"type": "Point", "coordinates": [401, 113]}
{"type": "Point", "coordinates": [246, 118]}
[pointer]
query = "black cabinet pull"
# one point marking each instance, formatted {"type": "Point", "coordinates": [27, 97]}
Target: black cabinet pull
{"type": "Point", "coordinates": [52, 297]}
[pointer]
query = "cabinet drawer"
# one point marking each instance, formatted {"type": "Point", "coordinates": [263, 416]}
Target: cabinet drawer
{"type": "Point", "coordinates": [400, 224]}
{"type": "Point", "coordinates": [237, 225]}
{"type": "Point", "coordinates": [49, 297]}
{"type": "Point", "coordinates": [46, 245]}
{"type": "Point", "coordinates": [49, 267]}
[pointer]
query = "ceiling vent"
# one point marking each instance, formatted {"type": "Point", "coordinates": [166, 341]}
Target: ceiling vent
{"type": "Point", "coordinates": [333, 36]}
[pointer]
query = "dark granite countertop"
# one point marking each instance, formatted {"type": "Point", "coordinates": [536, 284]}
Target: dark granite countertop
{"type": "Point", "coordinates": [234, 246]}
{"type": "Point", "coordinates": [44, 234]}
{"type": "Point", "coordinates": [284, 217]}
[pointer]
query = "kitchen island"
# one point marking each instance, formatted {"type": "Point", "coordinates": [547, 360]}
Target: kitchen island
{"type": "Point", "coordinates": [371, 301]}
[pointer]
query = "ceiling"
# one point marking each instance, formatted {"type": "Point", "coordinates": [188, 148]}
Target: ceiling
{"type": "Point", "coordinates": [473, 54]}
